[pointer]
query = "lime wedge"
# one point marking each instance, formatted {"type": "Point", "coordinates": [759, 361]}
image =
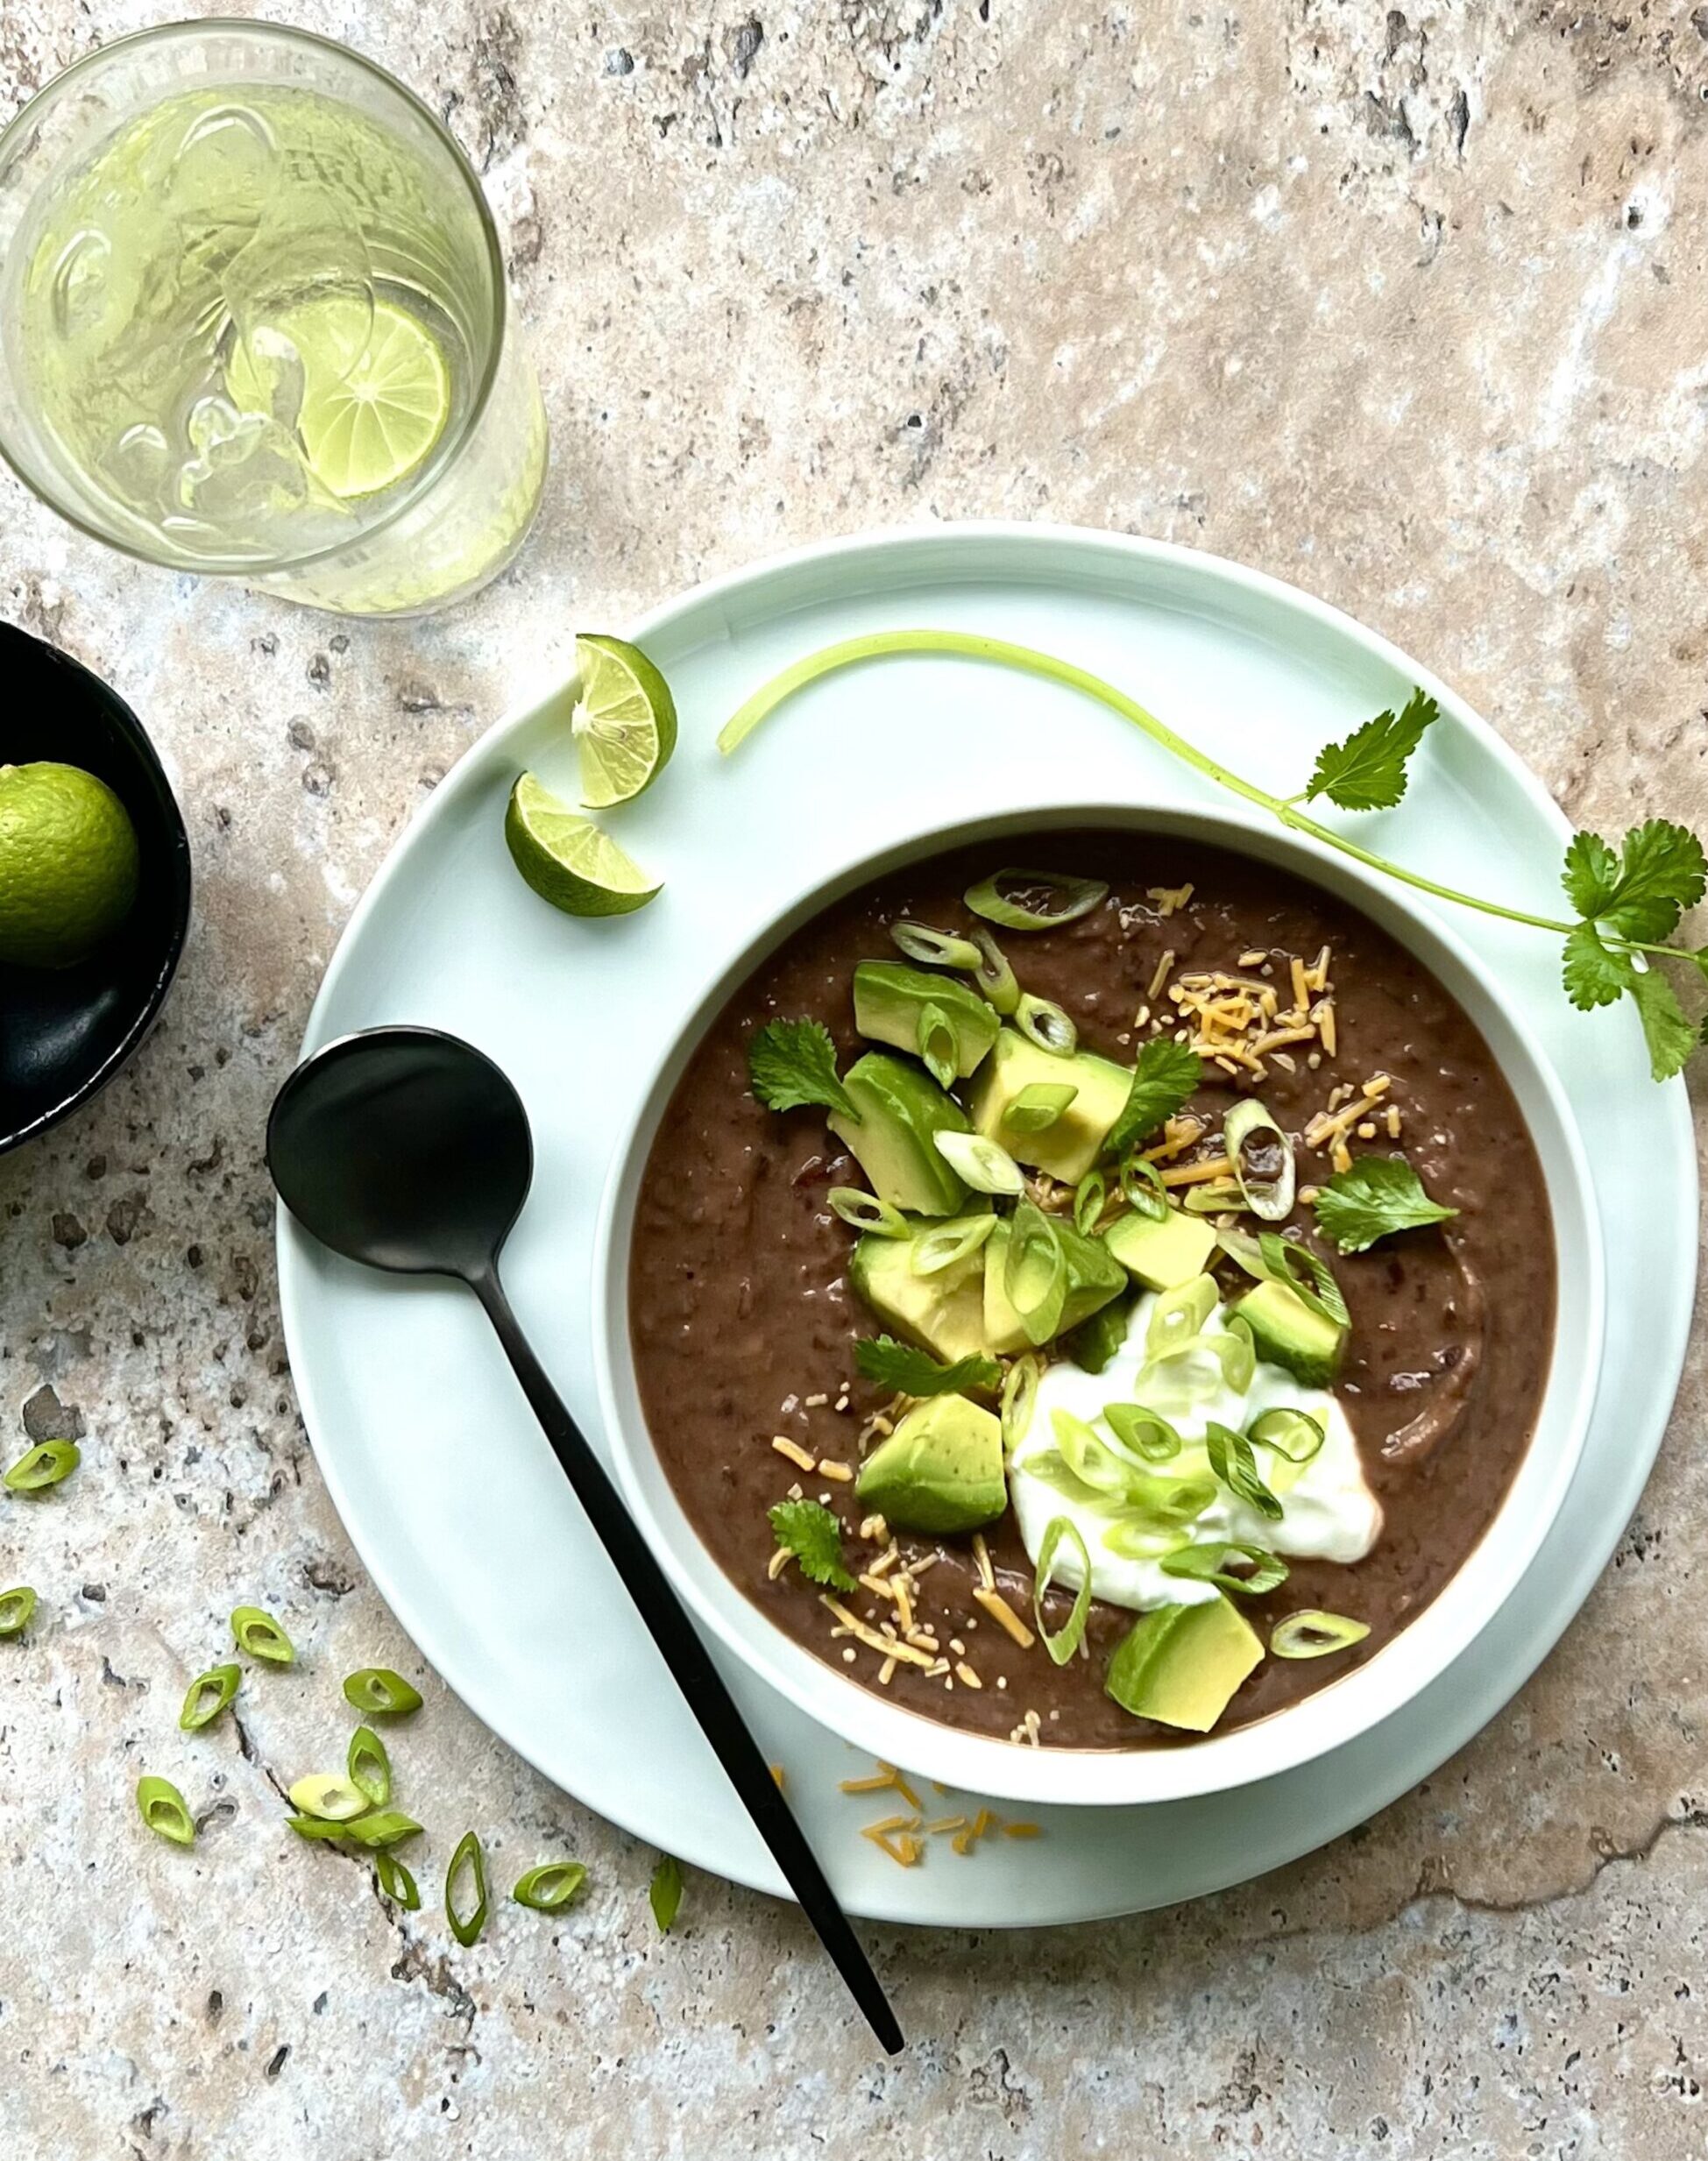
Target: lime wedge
{"type": "Point", "coordinates": [367, 429]}
{"type": "Point", "coordinates": [624, 720]}
{"type": "Point", "coordinates": [567, 860]}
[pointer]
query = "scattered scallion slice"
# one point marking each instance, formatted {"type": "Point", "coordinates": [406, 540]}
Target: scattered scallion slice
{"type": "Point", "coordinates": [1038, 1106]}
{"type": "Point", "coordinates": [1262, 1571]}
{"type": "Point", "coordinates": [938, 949]}
{"type": "Point", "coordinates": [369, 1767]}
{"type": "Point", "coordinates": [335, 1800]}
{"type": "Point", "coordinates": [1237, 1349]}
{"type": "Point", "coordinates": [946, 1244]}
{"type": "Point", "coordinates": [1263, 1168]}
{"type": "Point", "coordinates": [1090, 1459]}
{"type": "Point", "coordinates": [985, 1167]}
{"type": "Point", "coordinates": [1313, 1633]}
{"type": "Point", "coordinates": [1043, 1021]}
{"type": "Point", "coordinates": [993, 975]}
{"type": "Point", "coordinates": [1215, 1197]}
{"type": "Point", "coordinates": [1034, 900]}
{"type": "Point", "coordinates": [43, 1466]}
{"type": "Point", "coordinates": [1142, 1187]}
{"type": "Point", "coordinates": [396, 1882]}
{"type": "Point", "coordinates": [1295, 1434]}
{"type": "Point", "coordinates": [550, 1887]}
{"type": "Point", "coordinates": [382, 1828]}
{"type": "Point", "coordinates": [258, 1635]}
{"type": "Point", "coordinates": [863, 1211]}
{"type": "Point", "coordinates": [1066, 1639]}
{"type": "Point", "coordinates": [207, 1695]}
{"type": "Point", "coordinates": [1145, 1433]}
{"type": "Point", "coordinates": [16, 1607]}
{"type": "Point", "coordinates": [1090, 1198]}
{"type": "Point", "coordinates": [381, 1693]}
{"type": "Point", "coordinates": [940, 1048]}
{"type": "Point", "coordinates": [163, 1810]}
{"type": "Point", "coordinates": [1019, 1398]}
{"type": "Point", "coordinates": [1312, 1278]}
{"type": "Point", "coordinates": [1035, 1277]}
{"type": "Point", "coordinates": [664, 1893]}
{"type": "Point", "coordinates": [1235, 1466]}
{"type": "Point", "coordinates": [1180, 1314]}
{"type": "Point", "coordinates": [469, 1862]}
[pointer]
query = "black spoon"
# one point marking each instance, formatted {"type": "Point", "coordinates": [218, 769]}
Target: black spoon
{"type": "Point", "coordinates": [409, 1149]}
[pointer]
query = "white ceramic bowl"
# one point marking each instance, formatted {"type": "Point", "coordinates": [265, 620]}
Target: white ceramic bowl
{"type": "Point", "coordinates": [1335, 1713]}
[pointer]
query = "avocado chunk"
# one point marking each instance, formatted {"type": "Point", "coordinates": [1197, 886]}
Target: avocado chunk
{"type": "Point", "coordinates": [1181, 1664]}
{"type": "Point", "coordinates": [889, 1000]}
{"type": "Point", "coordinates": [1094, 1277]}
{"type": "Point", "coordinates": [942, 1313]}
{"type": "Point", "coordinates": [1289, 1333]}
{"type": "Point", "coordinates": [1161, 1252]}
{"type": "Point", "coordinates": [1095, 1342]}
{"type": "Point", "coordinates": [940, 1470]}
{"type": "Point", "coordinates": [1069, 1147]}
{"type": "Point", "coordinates": [900, 1107]}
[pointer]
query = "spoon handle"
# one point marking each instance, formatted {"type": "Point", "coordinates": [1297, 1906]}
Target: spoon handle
{"type": "Point", "coordinates": [690, 1667]}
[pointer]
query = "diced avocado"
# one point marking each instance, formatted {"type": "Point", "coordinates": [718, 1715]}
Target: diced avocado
{"type": "Point", "coordinates": [900, 1107]}
{"type": "Point", "coordinates": [943, 1313]}
{"type": "Point", "coordinates": [1288, 1334]}
{"type": "Point", "coordinates": [1181, 1664]}
{"type": "Point", "coordinates": [1161, 1252]}
{"type": "Point", "coordinates": [889, 999]}
{"type": "Point", "coordinates": [940, 1470]}
{"type": "Point", "coordinates": [1067, 1149]}
{"type": "Point", "coordinates": [1094, 1277]}
{"type": "Point", "coordinates": [1095, 1342]}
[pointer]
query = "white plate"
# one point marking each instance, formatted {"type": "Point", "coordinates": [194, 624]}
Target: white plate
{"type": "Point", "coordinates": [450, 1494]}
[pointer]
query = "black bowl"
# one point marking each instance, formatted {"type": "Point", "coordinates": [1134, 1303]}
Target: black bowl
{"type": "Point", "coordinates": [65, 1033]}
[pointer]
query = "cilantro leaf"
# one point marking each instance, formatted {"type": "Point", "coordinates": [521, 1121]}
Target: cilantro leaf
{"type": "Point", "coordinates": [665, 1892]}
{"type": "Point", "coordinates": [1377, 1196]}
{"type": "Point", "coordinates": [916, 1373]}
{"type": "Point", "coordinates": [792, 1062]}
{"type": "Point", "coordinates": [808, 1529]}
{"type": "Point", "coordinates": [1594, 976]}
{"type": "Point", "coordinates": [1367, 772]}
{"type": "Point", "coordinates": [1667, 1029]}
{"type": "Point", "coordinates": [1659, 872]}
{"type": "Point", "coordinates": [1166, 1076]}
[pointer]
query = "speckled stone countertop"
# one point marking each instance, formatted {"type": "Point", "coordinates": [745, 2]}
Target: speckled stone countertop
{"type": "Point", "coordinates": [1405, 306]}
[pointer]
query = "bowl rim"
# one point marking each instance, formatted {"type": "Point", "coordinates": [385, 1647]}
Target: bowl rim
{"type": "Point", "coordinates": [175, 835]}
{"type": "Point", "coordinates": [1343, 1708]}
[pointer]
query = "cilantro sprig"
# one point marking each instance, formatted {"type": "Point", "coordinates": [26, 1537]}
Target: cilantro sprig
{"type": "Point", "coordinates": [1166, 1077]}
{"type": "Point", "coordinates": [792, 1064]}
{"type": "Point", "coordinates": [1628, 901]}
{"type": "Point", "coordinates": [911, 1372]}
{"type": "Point", "coordinates": [812, 1532]}
{"type": "Point", "coordinates": [1372, 1198]}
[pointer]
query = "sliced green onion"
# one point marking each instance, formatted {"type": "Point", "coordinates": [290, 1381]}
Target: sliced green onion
{"type": "Point", "coordinates": [469, 1860]}
{"type": "Point", "coordinates": [1161, 1518]}
{"type": "Point", "coordinates": [381, 1693]}
{"type": "Point", "coordinates": [1091, 1460]}
{"type": "Point", "coordinates": [1145, 1432]}
{"type": "Point", "coordinates": [986, 1167]}
{"type": "Point", "coordinates": [1019, 1398]}
{"type": "Point", "coordinates": [1215, 1197]}
{"type": "Point", "coordinates": [664, 1893]}
{"type": "Point", "coordinates": [385, 1827]}
{"type": "Point", "coordinates": [1034, 900]}
{"type": "Point", "coordinates": [1233, 1462]}
{"type": "Point", "coordinates": [938, 949]}
{"type": "Point", "coordinates": [944, 1244]}
{"type": "Point", "coordinates": [1043, 1021]}
{"type": "Point", "coordinates": [396, 1882]}
{"type": "Point", "coordinates": [1295, 1434]}
{"type": "Point", "coordinates": [940, 1047]}
{"type": "Point", "coordinates": [1090, 1198]}
{"type": "Point", "coordinates": [1141, 1538]}
{"type": "Point", "coordinates": [993, 975]}
{"type": "Point", "coordinates": [863, 1211]}
{"type": "Point", "coordinates": [164, 1812]}
{"type": "Point", "coordinates": [1142, 1187]}
{"type": "Point", "coordinates": [16, 1607]}
{"type": "Point", "coordinates": [1180, 1314]}
{"type": "Point", "coordinates": [207, 1695]}
{"type": "Point", "coordinates": [1062, 1646]}
{"type": "Point", "coordinates": [1264, 1170]}
{"type": "Point", "coordinates": [550, 1887]}
{"type": "Point", "coordinates": [1312, 1278]}
{"type": "Point", "coordinates": [1263, 1571]}
{"type": "Point", "coordinates": [1240, 1246]}
{"type": "Point", "coordinates": [1237, 1349]}
{"type": "Point", "coordinates": [43, 1466]}
{"type": "Point", "coordinates": [1036, 1275]}
{"type": "Point", "coordinates": [1312, 1633]}
{"type": "Point", "coordinates": [369, 1767]}
{"type": "Point", "coordinates": [335, 1800]}
{"type": "Point", "coordinates": [260, 1636]}
{"type": "Point", "coordinates": [1039, 1105]}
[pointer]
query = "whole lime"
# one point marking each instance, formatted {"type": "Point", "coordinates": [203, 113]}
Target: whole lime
{"type": "Point", "coordinates": [68, 864]}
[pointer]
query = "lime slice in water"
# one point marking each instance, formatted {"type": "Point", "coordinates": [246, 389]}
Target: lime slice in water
{"type": "Point", "coordinates": [624, 720]}
{"type": "Point", "coordinates": [567, 860]}
{"type": "Point", "coordinates": [367, 429]}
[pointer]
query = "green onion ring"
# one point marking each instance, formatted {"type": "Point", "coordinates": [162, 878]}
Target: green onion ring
{"type": "Point", "coordinates": [207, 1695]}
{"type": "Point", "coordinates": [1043, 1023]}
{"type": "Point", "coordinates": [1038, 1106]}
{"type": "Point", "coordinates": [1295, 1434]}
{"type": "Point", "coordinates": [43, 1466]}
{"type": "Point", "coordinates": [1062, 1646]}
{"type": "Point", "coordinates": [1090, 1197]}
{"type": "Point", "coordinates": [1145, 1433]}
{"type": "Point", "coordinates": [1312, 1633]}
{"type": "Point", "coordinates": [864, 1212]}
{"type": "Point", "coordinates": [985, 1167]}
{"type": "Point", "coordinates": [993, 975]}
{"type": "Point", "coordinates": [1237, 1349]}
{"type": "Point", "coordinates": [335, 1800]}
{"type": "Point", "coordinates": [163, 1810]}
{"type": "Point", "coordinates": [1216, 1197]}
{"type": "Point", "coordinates": [1065, 899]}
{"type": "Point", "coordinates": [939, 1049]}
{"type": "Point", "coordinates": [550, 1887]}
{"type": "Point", "coordinates": [1036, 1275]}
{"type": "Point", "coordinates": [380, 1692]}
{"type": "Point", "coordinates": [1270, 1198]}
{"type": "Point", "coordinates": [384, 1827]}
{"type": "Point", "coordinates": [1312, 1278]}
{"type": "Point", "coordinates": [938, 949]}
{"type": "Point", "coordinates": [1266, 1571]}
{"type": "Point", "coordinates": [1090, 1459]}
{"type": "Point", "coordinates": [470, 1860]}
{"type": "Point", "coordinates": [260, 1636]}
{"type": "Point", "coordinates": [1233, 1462]}
{"type": "Point", "coordinates": [396, 1882]}
{"type": "Point", "coordinates": [1019, 1398]}
{"type": "Point", "coordinates": [16, 1607]}
{"type": "Point", "coordinates": [1142, 1187]}
{"type": "Point", "coordinates": [1178, 1315]}
{"type": "Point", "coordinates": [368, 1767]}
{"type": "Point", "coordinates": [946, 1244]}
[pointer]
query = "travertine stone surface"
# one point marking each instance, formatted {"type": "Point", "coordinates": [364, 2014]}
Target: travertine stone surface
{"type": "Point", "coordinates": [1406, 306]}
